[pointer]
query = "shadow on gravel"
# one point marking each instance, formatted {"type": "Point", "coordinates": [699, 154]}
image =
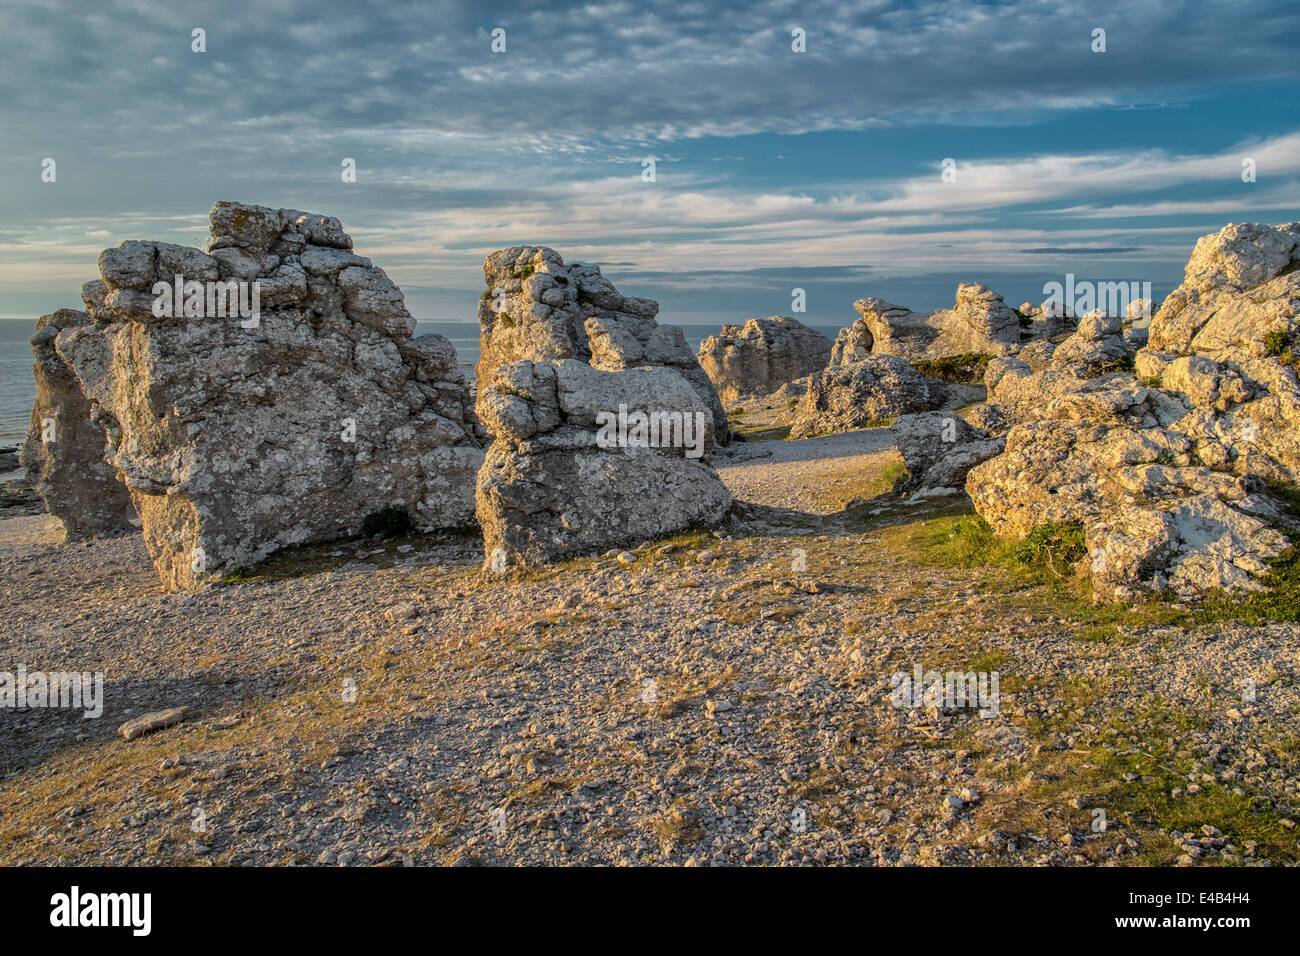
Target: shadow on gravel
{"type": "Point", "coordinates": [455, 547]}
{"type": "Point", "coordinates": [883, 511]}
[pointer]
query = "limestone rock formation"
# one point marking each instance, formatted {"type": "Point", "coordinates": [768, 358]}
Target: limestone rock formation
{"type": "Point", "coordinates": [536, 308]}
{"type": "Point", "coordinates": [1097, 346]}
{"type": "Point", "coordinates": [762, 356]}
{"type": "Point", "coordinates": [1168, 469]}
{"type": "Point", "coordinates": [63, 454]}
{"type": "Point", "coordinates": [1048, 321]}
{"type": "Point", "coordinates": [1020, 387]}
{"type": "Point", "coordinates": [866, 392]}
{"type": "Point", "coordinates": [980, 323]}
{"type": "Point", "coordinates": [562, 478]}
{"type": "Point", "coordinates": [883, 329]}
{"type": "Point", "coordinates": [939, 449]}
{"type": "Point", "coordinates": [240, 435]}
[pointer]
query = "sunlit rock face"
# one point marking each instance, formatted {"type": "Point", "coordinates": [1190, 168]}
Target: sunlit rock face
{"type": "Point", "coordinates": [238, 435]}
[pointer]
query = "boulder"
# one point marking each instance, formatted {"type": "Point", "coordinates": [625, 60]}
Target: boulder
{"type": "Point", "coordinates": [762, 356]}
{"type": "Point", "coordinates": [239, 435]}
{"type": "Point", "coordinates": [539, 309]}
{"type": "Point", "coordinates": [562, 478]}
{"type": "Point", "coordinates": [870, 391]}
{"type": "Point", "coordinates": [63, 454]}
{"type": "Point", "coordinates": [939, 449]}
{"type": "Point", "coordinates": [883, 329]}
{"type": "Point", "coordinates": [1240, 284]}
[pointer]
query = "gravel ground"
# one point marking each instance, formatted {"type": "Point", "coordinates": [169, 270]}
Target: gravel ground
{"type": "Point", "coordinates": [716, 699]}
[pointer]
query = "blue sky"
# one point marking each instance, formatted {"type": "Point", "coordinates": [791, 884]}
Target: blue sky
{"type": "Point", "coordinates": [775, 169]}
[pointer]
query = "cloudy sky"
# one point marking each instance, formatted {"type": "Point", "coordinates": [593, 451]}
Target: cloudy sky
{"type": "Point", "coordinates": [774, 169]}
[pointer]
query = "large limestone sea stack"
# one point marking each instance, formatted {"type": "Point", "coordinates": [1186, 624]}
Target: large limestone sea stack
{"type": "Point", "coordinates": [563, 352]}
{"type": "Point", "coordinates": [237, 436]}
{"type": "Point", "coordinates": [539, 309]}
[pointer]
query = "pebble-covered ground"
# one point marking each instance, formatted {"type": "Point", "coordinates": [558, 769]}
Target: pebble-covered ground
{"type": "Point", "coordinates": [716, 699]}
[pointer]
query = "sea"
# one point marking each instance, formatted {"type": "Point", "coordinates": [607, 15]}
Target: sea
{"type": "Point", "coordinates": [18, 388]}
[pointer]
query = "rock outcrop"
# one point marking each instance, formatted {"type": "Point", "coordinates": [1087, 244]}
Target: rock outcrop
{"type": "Point", "coordinates": [858, 394]}
{"type": "Point", "coordinates": [979, 324]}
{"type": "Point", "coordinates": [1048, 321]}
{"type": "Point", "coordinates": [1097, 346]}
{"type": "Point", "coordinates": [240, 435]}
{"type": "Point", "coordinates": [1020, 386]}
{"type": "Point", "coordinates": [538, 309]}
{"type": "Point", "coordinates": [762, 356]}
{"type": "Point", "coordinates": [63, 454]}
{"type": "Point", "coordinates": [571, 470]}
{"type": "Point", "coordinates": [939, 449]}
{"type": "Point", "coordinates": [1167, 470]}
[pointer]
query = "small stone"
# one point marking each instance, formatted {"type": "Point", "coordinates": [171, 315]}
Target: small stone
{"type": "Point", "coordinates": [400, 612]}
{"type": "Point", "coordinates": [156, 720]}
{"type": "Point", "coordinates": [626, 557]}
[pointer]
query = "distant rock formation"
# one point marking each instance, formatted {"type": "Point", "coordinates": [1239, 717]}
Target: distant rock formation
{"type": "Point", "coordinates": [980, 323]}
{"type": "Point", "coordinates": [536, 308]}
{"type": "Point", "coordinates": [1047, 321]}
{"type": "Point", "coordinates": [857, 394]}
{"type": "Point", "coordinates": [762, 356]}
{"type": "Point", "coordinates": [63, 454]}
{"type": "Point", "coordinates": [1167, 467]}
{"type": "Point", "coordinates": [570, 470]}
{"type": "Point", "coordinates": [240, 435]}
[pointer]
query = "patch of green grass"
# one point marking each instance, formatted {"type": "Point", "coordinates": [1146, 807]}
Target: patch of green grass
{"type": "Point", "coordinates": [1275, 342]}
{"type": "Point", "coordinates": [1042, 563]}
{"type": "Point", "coordinates": [966, 541]}
{"type": "Point", "coordinates": [741, 432]}
{"type": "Point", "coordinates": [1056, 544]}
{"type": "Point", "coordinates": [895, 474]}
{"type": "Point", "coordinates": [1280, 601]}
{"type": "Point", "coordinates": [965, 369]}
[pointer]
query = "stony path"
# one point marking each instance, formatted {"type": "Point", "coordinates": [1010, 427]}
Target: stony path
{"type": "Point", "coordinates": [817, 475]}
{"type": "Point", "coordinates": [722, 700]}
